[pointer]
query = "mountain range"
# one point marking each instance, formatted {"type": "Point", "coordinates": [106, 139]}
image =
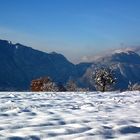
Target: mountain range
{"type": "Point", "coordinates": [125, 66]}
{"type": "Point", "coordinates": [20, 64]}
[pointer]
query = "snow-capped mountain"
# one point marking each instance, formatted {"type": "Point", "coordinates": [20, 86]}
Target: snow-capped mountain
{"type": "Point", "coordinates": [126, 67]}
{"type": "Point", "coordinates": [20, 64]}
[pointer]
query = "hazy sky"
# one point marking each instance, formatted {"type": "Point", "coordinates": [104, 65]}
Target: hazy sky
{"type": "Point", "coordinates": [75, 28]}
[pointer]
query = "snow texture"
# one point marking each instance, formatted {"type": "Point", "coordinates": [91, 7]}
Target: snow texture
{"type": "Point", "coordinates": [70, 116]}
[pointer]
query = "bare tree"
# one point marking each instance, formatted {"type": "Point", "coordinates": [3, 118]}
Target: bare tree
{"type": "Point", "coordinates": [49, 86]}
{"type": "Point", "coordinates": [43, 84]}
{"type": "Point", "coordinates": [133, 87]}
{"type": "Point", "coordinates": [104, 78]}
{"type": "Point", "coordinates": [71, 86]}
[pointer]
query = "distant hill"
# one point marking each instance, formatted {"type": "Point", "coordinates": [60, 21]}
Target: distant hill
{"type": "Point", "coordinates": [20, 64]}
{"type": "Point", "coordinates": [126, 67]}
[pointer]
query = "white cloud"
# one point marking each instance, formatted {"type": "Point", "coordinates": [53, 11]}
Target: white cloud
{"type": "Point", "coordinates": [108, 52]}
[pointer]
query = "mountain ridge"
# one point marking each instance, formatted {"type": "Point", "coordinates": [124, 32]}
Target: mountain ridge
{"type": "Point", "coordinates": [126, 67]}
{"type": "Point", "coordinates": [21, 64]}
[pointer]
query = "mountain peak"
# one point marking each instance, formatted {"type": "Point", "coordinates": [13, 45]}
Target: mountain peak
{"type": "Point", "coordinates": [126, 52]}
{"type": "Point", "coordinates": [121, 56]}
{"type": "Point", "coordinates": [127, 56]}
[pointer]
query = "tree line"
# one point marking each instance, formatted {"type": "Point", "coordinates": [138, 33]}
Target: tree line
{"type": "Point", "coordinates": [104, 79]}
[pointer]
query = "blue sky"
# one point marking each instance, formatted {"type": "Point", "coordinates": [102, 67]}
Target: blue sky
{"type": "Point", "coordinates": [75, 28]}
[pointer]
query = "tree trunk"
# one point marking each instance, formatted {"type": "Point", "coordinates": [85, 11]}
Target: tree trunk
{"type": "Point", "coordinates": [103, 89]}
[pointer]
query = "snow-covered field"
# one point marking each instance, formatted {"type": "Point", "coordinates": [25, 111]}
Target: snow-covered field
{"type": "Point", "coordinates": [70, 116]}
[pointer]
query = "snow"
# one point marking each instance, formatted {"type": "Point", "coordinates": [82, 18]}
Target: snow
{"type": "Point", "coordinates": [121, 70]}
{"type": "Point", "coordinates": [10, 42]}
{"type": "Point", "coordinates": [124, 50]}
{"type": "Point", "coordinates": [16, 46]}
{"type": "Point", "coordinates": [70, 116]}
